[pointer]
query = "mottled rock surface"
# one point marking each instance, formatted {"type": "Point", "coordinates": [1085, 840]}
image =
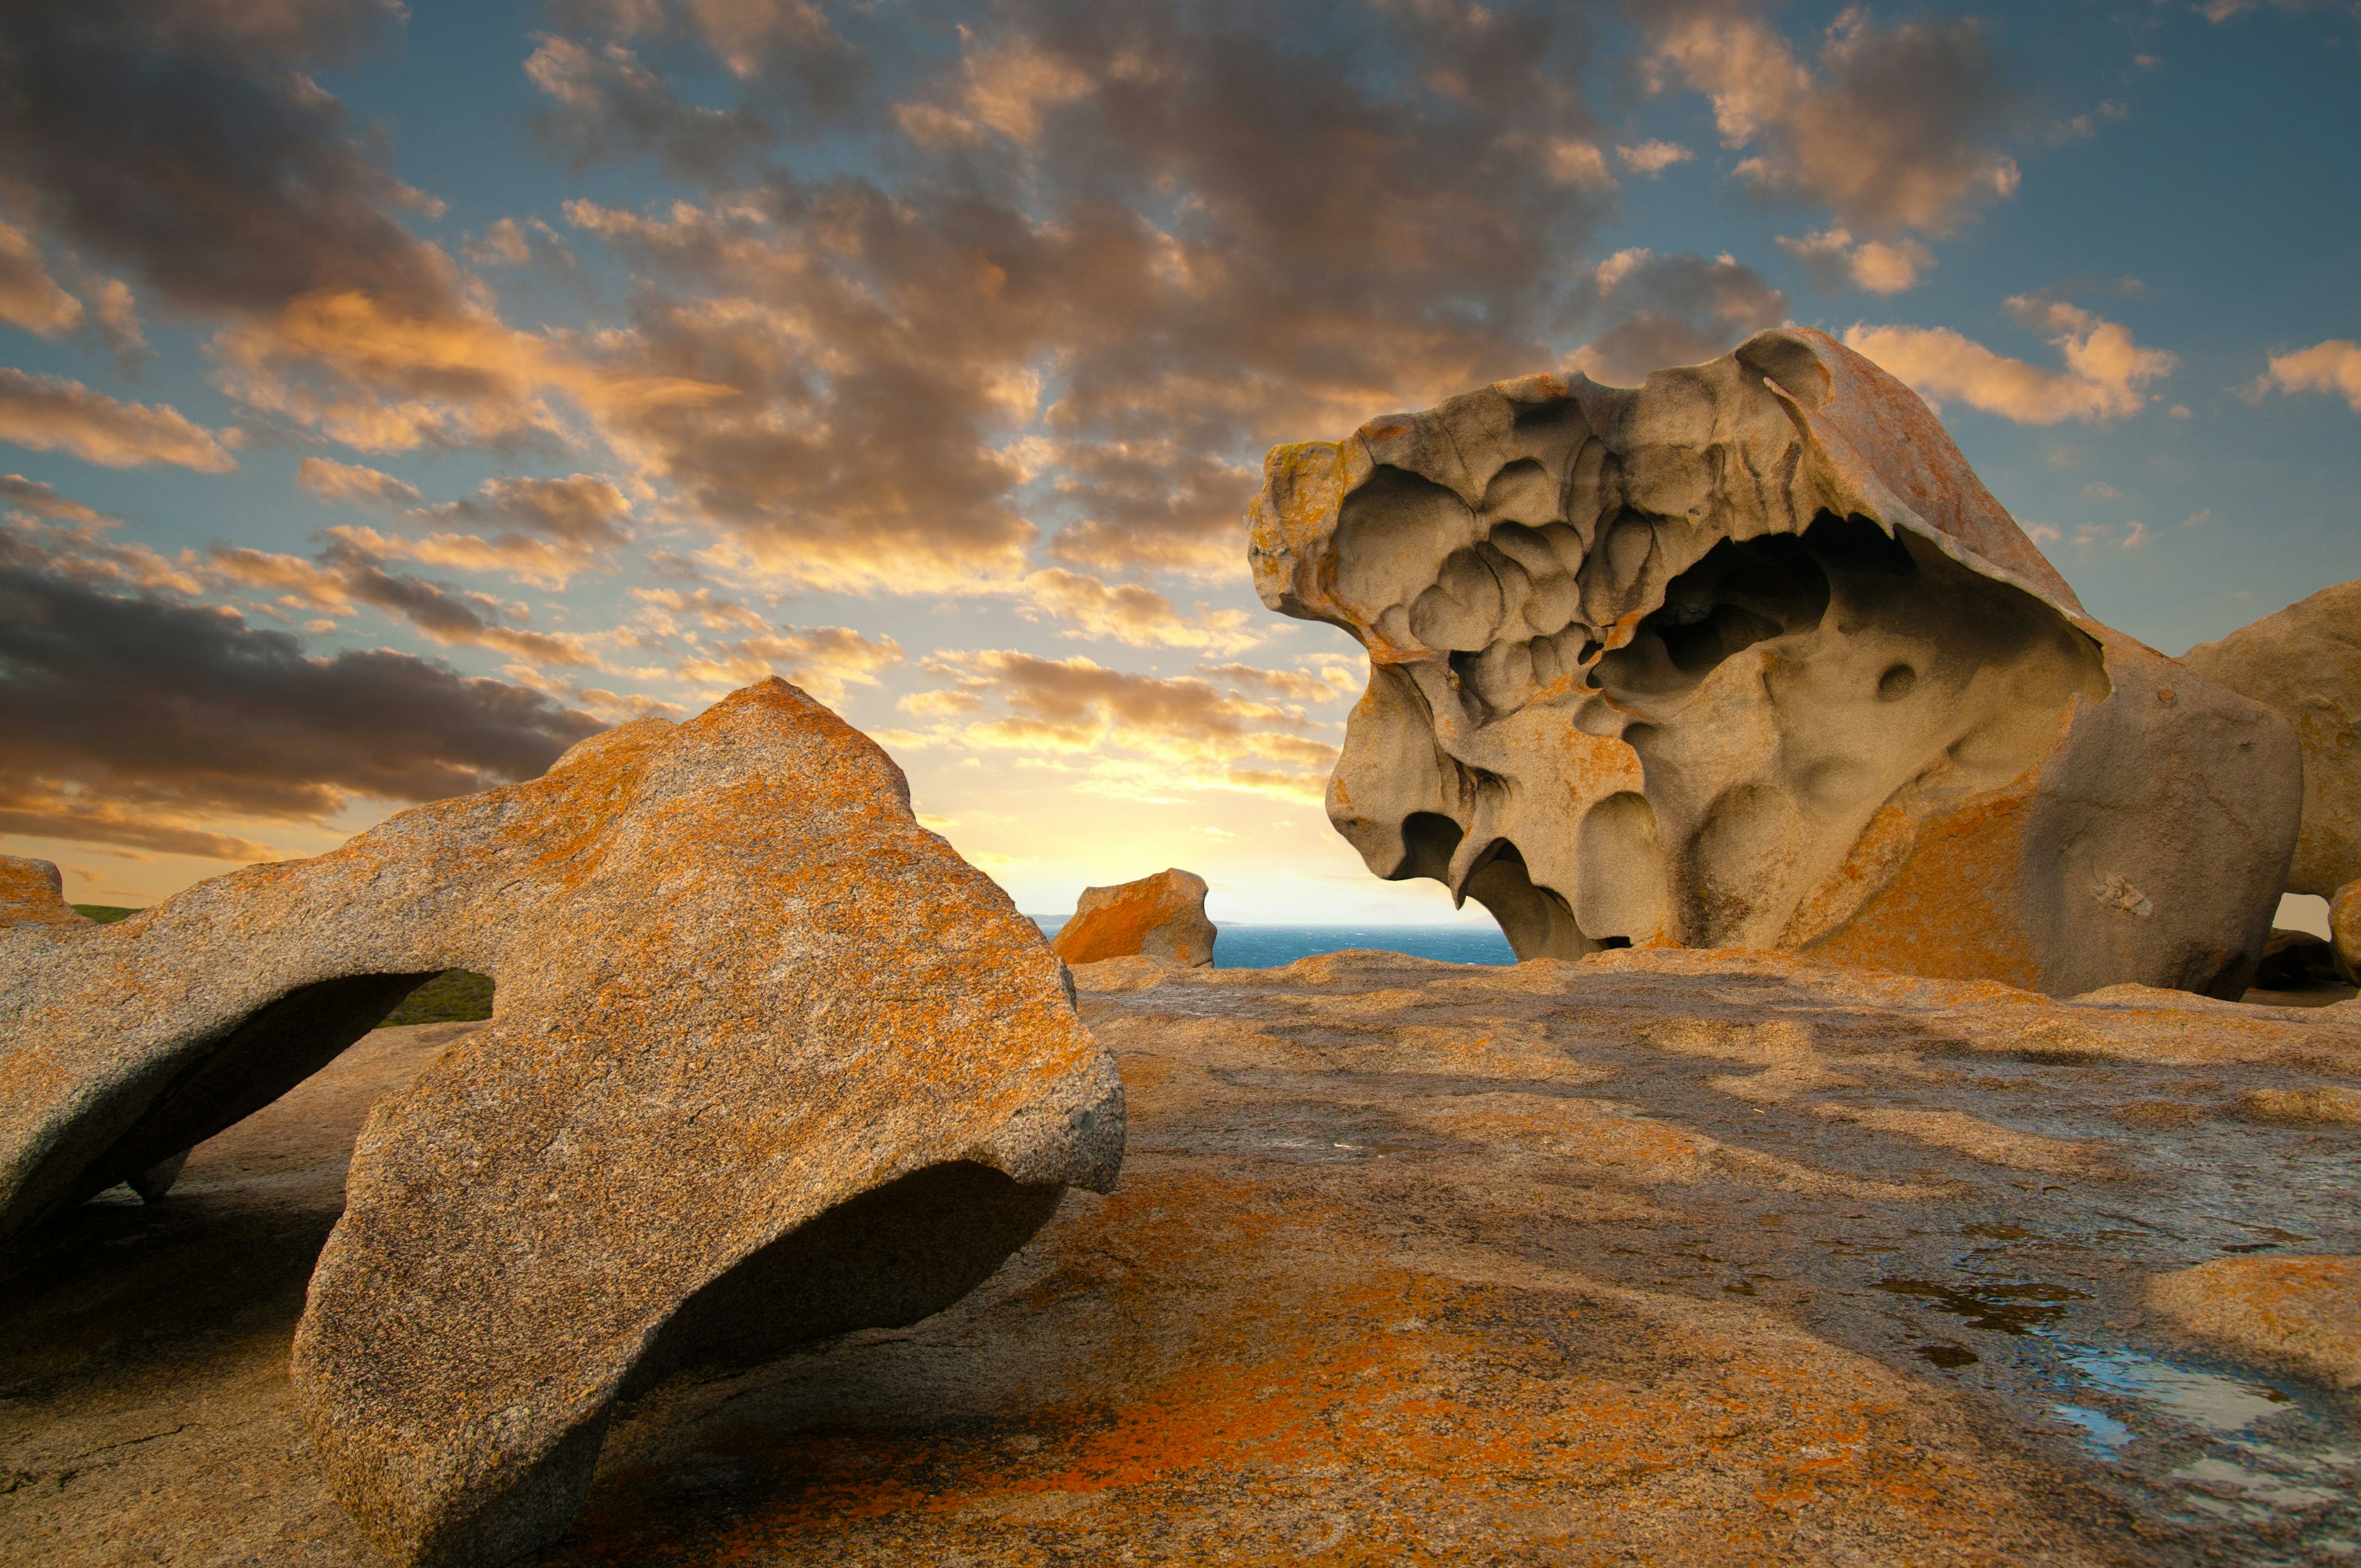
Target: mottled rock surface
{"type": "Point", "coordinates": [2300, 1314]}
{"type": "Point", "coordinates": [1161, 916]}
{"type": "Point", "coordinates": [1748, 656]}
{"type": "Point", "coordinates": [2305, 663]}
{"type": "Point", "coordinates": [1656, 1257]}
{"type": "Point", "coordinates": [769, 1062]}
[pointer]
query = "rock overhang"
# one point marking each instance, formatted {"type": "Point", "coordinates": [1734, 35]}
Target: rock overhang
{"type": "Point", "coordinates": [1732, 657]}
{"type": "Point", "coordinates": [768, 1061]}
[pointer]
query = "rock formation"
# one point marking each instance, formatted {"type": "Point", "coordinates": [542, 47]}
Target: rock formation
{"type": "Point", "coordinates": [1746, 656]}
{"type": "Point", "coordinates": [2299, 1314]}
{"type": "Point", "coordinates": [1162, 916]}
{"type": "Point", "coordinates": [768, 1062]}
{"type": "Point", "coordinates": [2305, 663]}
{"type": "Point", "coordinates": [1658, 1257]}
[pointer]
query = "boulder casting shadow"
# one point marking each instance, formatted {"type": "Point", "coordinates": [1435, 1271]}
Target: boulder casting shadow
{"type": "Point", "coordinates": [1746, 656]}
{"type": "Point", "coordinates": [769, 1061]}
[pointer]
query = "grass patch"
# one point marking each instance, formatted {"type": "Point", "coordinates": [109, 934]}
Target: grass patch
{"type": "Point", "coordinates": [105, 914]}
{"type": "Point", "coordinates": [454, 996]}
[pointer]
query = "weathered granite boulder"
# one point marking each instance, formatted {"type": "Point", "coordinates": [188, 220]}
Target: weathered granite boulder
{"type": "Point", "coordinates": [2344, 929]}
{"type": "Point", "coordinates": [1161, 916]}
{"type": "Point", "coordinates": [2305, 663]}
{"type": "Point", "coordinates": [2301, 1314]}
{"type": "Point", "coordinates": [1660, 1256]}
{"type": "Point", "coordinates": [769, 1062]}
{"type": "Point", "coordinates": [1746, 656]}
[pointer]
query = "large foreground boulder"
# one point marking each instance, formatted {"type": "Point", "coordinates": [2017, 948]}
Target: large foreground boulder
{"type": "Point", "coordinates": [1748, 656]}
{"type": "Point", "coordinates": [1161, 916]}
{"type": "Point", "coordinates": [769, 1062]}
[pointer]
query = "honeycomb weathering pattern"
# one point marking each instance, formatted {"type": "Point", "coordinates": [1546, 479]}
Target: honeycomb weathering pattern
{"type": "Point", "coordinates": [768, 1062]}
{"type": "Point", "coordinates": [1746, 656]}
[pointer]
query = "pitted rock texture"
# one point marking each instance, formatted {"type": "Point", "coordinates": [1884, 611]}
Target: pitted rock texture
{"type": "Point", "coordinates": [1658, 1257]}
{"type": "Point", "coordinates": [2305, 663]}
{"type": "Point", "coordinates": [1749, 656]}
{"type": "Point", "coordinates": [2299, 1314]}
{"type": "Point", "coordinates": [769, 1062]}
{"type": "Point", "coordinates": [1162, 916]}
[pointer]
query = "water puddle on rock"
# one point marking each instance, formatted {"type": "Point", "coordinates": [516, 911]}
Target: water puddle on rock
{"type": "Point", "coordinates": [1995, 1306]}
{"type": "Point", "coordinates": [2202, 1399]}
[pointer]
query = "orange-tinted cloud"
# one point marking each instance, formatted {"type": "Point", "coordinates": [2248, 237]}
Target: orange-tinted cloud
{"type": "Point", "coordinates": [50, 413]}
{"type": "Point", "coordinates": [2104, 376]}
{"type": "Point", "coordinates": [1147, 736]}
{"type": "Point", "coordinates": [821, 659]}
{"type": "Point", "coordinates": [1892, 134]}
{"type": "Point", "coordinates": [139, 718]}
{"type": "Point", "coordinates": [2333, 365]}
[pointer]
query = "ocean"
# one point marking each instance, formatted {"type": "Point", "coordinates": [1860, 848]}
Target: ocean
{"type": "Point", "coordinates": [1268, 946]}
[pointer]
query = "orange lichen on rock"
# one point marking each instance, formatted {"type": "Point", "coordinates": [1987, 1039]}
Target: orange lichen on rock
{"type": "Point", "coordinates": [1159, 917]}
{"type": "Point", "coordinates": [769, 1062]}
{"type": "Point", "coordinates": [2299, 1314]}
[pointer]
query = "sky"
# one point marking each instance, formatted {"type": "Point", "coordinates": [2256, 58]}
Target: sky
{"type": "Point", "coordinates": [391, 397]}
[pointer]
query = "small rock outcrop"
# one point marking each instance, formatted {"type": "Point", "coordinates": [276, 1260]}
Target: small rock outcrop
{"type": "Point", "coordinates": [769, 1062]}
{"type": "Point", "coordinates": [2305, 663]}
{"type": "Point", "coordinates": [2301, 1314]}
{"type": "Point", "coordinates": [1161, 916]}
{"type": "Point", "coordinates": [1746, 656]}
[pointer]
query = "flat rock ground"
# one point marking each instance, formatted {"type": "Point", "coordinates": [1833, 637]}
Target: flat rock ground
{"type": "Point", "coordinates": [1666, 1259]}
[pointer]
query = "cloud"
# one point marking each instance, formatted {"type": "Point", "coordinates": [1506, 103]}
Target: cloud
{"type": "Point", "coordinates": [502, 243]}
{"type": "Point", "coordinates": [50, 413]}
{"type": "Point", "coordinates": [1146, 737]}
{"type": "Point", "coordinates": [141, 719]}
{"type": "Point", "coordinates": [822, 660]}
{"type": "Point", "coordinates": [1330, 683]}
{"type": "Point", "coordinates": [29, 297]}
{"type": "Point", "coordinates": [1832, 258]}
{"type": "Point", "coordinates": [604, 104]}
{"type": "Point", "coordinates": [2332, 366]}
{"type": "Point", "coordinates": [1201, 236]}
{"type": "Point", "coordinates": [349, 572]}
{"type": "Point", "coordinates": [183, 139]}
{"type": "Point", "coordinates": [706, 608]}
{"type": "Point", "coordinates": [1652, 158]}
{"type": "Point", "coordinates": [1890, 134]}
{"type": "Point", "coordinates": [1672, 310]}
{"type": "Point", "coordinates": [1130, 613]}
{"type": "Point", "coordinates": [43, 501]}
{"type": "Point", "coordinates": [355, 484]}
{"type": "Point", "coordinates": [2105, 371]}
{"type": "Point", "coordinates": [1577, 163]}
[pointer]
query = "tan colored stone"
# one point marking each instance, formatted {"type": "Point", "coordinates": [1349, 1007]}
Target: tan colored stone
{"type": "Point", "coordinates": [769, 1062]}
{"type": "Point", "coordinates": [1748, 656]}
{"type": "Point", "coordinates": [1159, 917]}
{"type": "Point", "coordinates": [1409, 1263]}
{"type": "Point", "coordinates": [2344, 929]}
{"type": "Point", "coordinates": [2305, 663]}
{"type": "Point", "coordinates": [2299, 1314]}
{"type": "Point", "coordinates": [2330, 1106]}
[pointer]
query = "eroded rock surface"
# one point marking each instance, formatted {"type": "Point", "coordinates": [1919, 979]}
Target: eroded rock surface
{"type": "Point", "coordinates": [1749, 656]}
{"type": "Point", "coordinates": [769, 1062]}
{"type": "Point", "coordinates": [1664, 1257]}
{"type": "Point", "coordinates": [2305, 663]}
{"type": "Point", "coordinates": [1160, 917]}
{"type": "Point", "coordinates": [2299, 1314]}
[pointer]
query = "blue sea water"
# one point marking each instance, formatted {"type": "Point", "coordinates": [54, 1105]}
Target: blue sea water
{"type": "Point", "coordinates": [1268, 946]}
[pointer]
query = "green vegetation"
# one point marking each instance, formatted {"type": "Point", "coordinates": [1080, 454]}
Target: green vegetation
{"type": "Point", "coordinates": [105, 914]}
{"type": "Point", "coordinates": [454, 996]}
